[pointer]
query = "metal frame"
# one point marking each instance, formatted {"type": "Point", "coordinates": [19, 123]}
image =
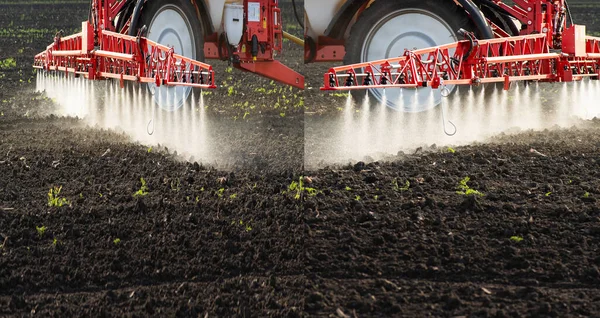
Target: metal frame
{"type": "Point", "coordinates": [100, 51]}
{"type": "Point", "coordinates": [520, 58]}
{"type": "Point", "coordinates": [555, 54]}
{"type": "Point", "coordinates": [122, 57]}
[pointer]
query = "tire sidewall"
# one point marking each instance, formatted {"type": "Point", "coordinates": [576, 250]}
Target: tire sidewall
{"type": "Point", "coordinates": [445, 9]}
{"type": "Point", "coordinates": [188, 10]}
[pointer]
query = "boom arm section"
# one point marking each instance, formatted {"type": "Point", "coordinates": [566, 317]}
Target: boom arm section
{"type": "Point", "coordinates": [122, 57]}
{"type": "Point", "coordinates": [473, 62]}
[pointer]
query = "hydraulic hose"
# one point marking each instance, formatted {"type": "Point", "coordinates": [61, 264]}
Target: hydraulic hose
{"type": "Point", "coordinates": [478, 18]}
{"type": "Point", "coordinates": [135, 17]}
{"type": "Point", "coordinates": [569, 13]}
{"type": "Point", "coordinates": [292, 38]}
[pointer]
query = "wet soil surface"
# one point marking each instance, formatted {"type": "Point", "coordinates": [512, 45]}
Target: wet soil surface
{"type": "Point", "coordinates": [363, 240]}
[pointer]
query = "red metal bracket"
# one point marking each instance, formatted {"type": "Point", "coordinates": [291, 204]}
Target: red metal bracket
{"type": "Point", "coordinates": [274, 70]}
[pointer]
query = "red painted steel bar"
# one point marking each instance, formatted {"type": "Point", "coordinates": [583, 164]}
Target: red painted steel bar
{"type": "Point", "coordinates": [473, 62]}
{"type": "Point", "coordinates": [123, 57]}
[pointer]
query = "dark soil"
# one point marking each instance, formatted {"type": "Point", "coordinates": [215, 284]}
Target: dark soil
{"type": "Point", "coordinates": [353, 241]}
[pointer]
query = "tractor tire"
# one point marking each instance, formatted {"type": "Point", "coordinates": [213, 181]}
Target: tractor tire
{"type": "Point", "coordinates": [386, 28]}
{"type": "Point", "coordinates": [173, 23]}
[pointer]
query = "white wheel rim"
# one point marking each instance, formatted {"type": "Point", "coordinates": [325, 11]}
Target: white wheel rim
{"type": "Point", "coordinates": [170, 27]}
{"type": "Point", "coordinates": [407, 29]}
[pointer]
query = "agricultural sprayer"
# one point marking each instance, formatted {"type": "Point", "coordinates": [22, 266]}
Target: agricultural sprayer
{"type": "Point", "coordinates": [406, 53]}
{"type": "Point", "coordinates": [163, 44]}
{"type": "Point", "coordinates": [416, 46]}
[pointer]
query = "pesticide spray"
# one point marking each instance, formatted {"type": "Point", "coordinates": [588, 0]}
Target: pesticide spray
{"type": "Point", "coordinates": [375, 132]}
{"type": "Point", "coordinates": [131, 110]}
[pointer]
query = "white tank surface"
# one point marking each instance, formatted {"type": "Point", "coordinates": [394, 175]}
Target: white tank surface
{"type": "Point", "coordinates": [234, 23]}
{"type": "Point", "coordinates": [215, 9]}
{"type": "Point", "coordinates": [319, 14]}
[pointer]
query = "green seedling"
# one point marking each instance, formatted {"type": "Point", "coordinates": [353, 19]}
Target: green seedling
{"type": "Point", "coordinates": [348, 188]}
{"type": "Point", "coordinates": [220, 192]}
{"type": "Point", "coordinates": [299, 188]}
{"type": "Point", "coordinates": [117, 241]}
{"type": "Point", "coordinates": [8, 63]}
{"type": "Point", "coordinates": [586, 195]}
{"type": "Point", "coordinates": [403, 188]}
{"type": "Point", "coordinates": [41, 230]}
{"type": "Point", "coordinates": [233, 196]}
{"type": "Point", "coordinates": [548, 194]}
{"type": "Point", "coordinates": [54, 242]}
{"type": "Point", "coordinates": [516, 239]}
{"type": "Point", "coordinates": [149, 149]}
{"type": "Point", "coordinates": [143, 189]}
{"type": "Point", "coordinates": [464, 189]}
{"type": "Point", "coordinates": [175, 185]}
{"type": "Point", "coordinates": [246, 225]}
{"type": "Point", "coordinates": [451, 150]}
{"type": "Point", "coordinates": [357, 198]}
{"type": "Point", "coordinates": [54, 199]}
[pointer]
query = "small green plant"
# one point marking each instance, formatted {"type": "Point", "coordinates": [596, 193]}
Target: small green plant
{"type": "Point", "coordinates": [357, 198]}
{"type": "Point", "coordinates": [398, 188]}
{"type": "Point", "coordinates": [149, 149]}
{"type": "Point", "coordinates": [548, 194]}
{"type": "Point", "coordinates": [586, 195]}
{"type": "Point", "coordinates": [348, 188]}
{"type": "Point", "coordinates": [516, 239]}
{"type": "Point", "coordinates": [241, 223]}
{"type": "Point", "coordinates": [220, 192]}
{"type": "Point", "coordinates": [117, 241]}
{"type": "Point", "coordinates": [41, 230]}
{"type": "Point", "coordinates": [8, 63]}
{"type": "Point", "coordinates": [451, 150]}
{"type": "Point", "coordinates": [299, 188]}
{"type": "Point", "coordinates": [143, 189]}
{"type": "Point", "coordinates": [233, 196]}
{"type": "Point", "coordinates": [54, 199]}
{"type": "Point", "coordinates": [376, 197]}
{"type": "Point", "coordinates": [175, 185]}
{"type": "Point", "coordinates": [54, 242]}
{"type": "Point", "coordinates": [464, 189]}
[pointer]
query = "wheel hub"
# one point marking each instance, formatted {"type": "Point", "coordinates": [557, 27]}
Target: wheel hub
{"type": "Point", "coordinates": [170, 27]}
{"type": "Point", "coordinates": [408, 29]}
